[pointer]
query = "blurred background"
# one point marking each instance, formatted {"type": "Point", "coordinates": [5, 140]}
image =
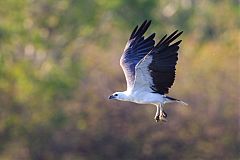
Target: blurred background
{"type": "Point", "coordinates": [59, 61]}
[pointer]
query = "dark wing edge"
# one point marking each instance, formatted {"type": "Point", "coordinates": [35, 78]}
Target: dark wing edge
{"type": "Point", "coordinates": [163, 66]}
{"type": "Point", "coordinates": [136, 48]}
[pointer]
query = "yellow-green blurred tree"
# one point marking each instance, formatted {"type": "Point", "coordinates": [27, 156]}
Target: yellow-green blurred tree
{"type": "Point", "coordinates": [59, 61]}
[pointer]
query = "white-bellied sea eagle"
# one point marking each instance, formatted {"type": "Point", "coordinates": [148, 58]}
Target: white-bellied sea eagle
{"type": "Point", "coordinates": [149, 69]}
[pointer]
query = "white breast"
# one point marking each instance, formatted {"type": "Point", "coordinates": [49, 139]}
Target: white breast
{"type": "Point", "coordinates": [146, 98]}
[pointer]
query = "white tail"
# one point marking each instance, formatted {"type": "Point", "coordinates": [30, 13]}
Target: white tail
{"type": "Point", "coordinates": [182, 103]}
{"type": "Point", "coordinates": [170, 100]}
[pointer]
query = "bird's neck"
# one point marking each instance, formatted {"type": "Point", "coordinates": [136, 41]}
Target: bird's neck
{"type": "Point", "coordinates": [127, 96]}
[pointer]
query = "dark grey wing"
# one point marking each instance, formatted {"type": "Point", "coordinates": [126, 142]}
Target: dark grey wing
{"type": "Point", "coordinates": [136, 48]}
{"type": "Point", "coordinates": [157, 69]}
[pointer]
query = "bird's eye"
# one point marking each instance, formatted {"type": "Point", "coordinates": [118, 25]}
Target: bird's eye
{"type": "Point", "coordinates": [115, 94]}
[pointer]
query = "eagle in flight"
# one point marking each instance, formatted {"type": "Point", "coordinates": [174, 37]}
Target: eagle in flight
{"type": "Point", "coordinates": [149, 69]}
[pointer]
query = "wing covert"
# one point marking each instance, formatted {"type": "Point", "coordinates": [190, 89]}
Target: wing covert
{"type": "Point", "coordinates": [157, 69]}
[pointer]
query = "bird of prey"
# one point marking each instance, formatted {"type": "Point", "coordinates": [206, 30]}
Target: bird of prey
{"type": "Point", "coordinates": [149, 69]}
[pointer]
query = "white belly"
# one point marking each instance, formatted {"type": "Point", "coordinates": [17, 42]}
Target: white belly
{"type": "Point", "coordinates": [147, 98]}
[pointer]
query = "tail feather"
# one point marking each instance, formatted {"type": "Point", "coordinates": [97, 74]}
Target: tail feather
{"type": "Point", "coordinates": [184, 103]}
{"type": "Point", "coordinates": [170, 99]}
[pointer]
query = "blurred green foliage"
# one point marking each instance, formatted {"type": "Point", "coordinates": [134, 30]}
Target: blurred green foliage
{"type": "Point", "coordinates": [59, 60]}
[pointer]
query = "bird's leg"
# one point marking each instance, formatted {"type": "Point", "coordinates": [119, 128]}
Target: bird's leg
{"type": "Point", "coordinates": [157, 115]}
{"type": "Point", "coordinates": [160, 114]}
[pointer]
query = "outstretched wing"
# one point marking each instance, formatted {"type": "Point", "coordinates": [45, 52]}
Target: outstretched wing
{"type": "Point", "coordinates": [136, 48]}
{"type": "Point", "coordinates": [156, 71]}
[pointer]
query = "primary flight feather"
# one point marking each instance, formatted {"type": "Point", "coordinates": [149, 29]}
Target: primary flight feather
{"type": "Point", "coordinates": [149, 69]}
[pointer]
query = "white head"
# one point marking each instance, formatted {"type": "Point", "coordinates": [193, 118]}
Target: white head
{"type": "Point", "coordinates": [119, 96]}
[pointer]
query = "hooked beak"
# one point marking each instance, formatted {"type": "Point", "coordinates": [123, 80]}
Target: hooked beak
{"type": "Point", "coordinates": [111, 97]}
